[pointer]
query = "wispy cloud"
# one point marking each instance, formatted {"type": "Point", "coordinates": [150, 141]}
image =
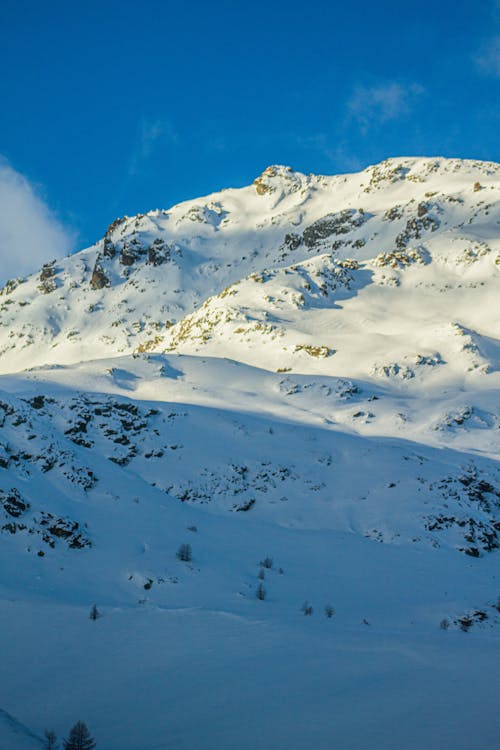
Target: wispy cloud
{"type": "Point", "coordinates": [488, 57]}
{"type": "Point", "coordinates": [338, 155]}
{"type": "Point", "coordinates": [151, 134]}
{"type": "Point", "coordinates": [30, 233]}
{"type": "Point", "coordinates": [375, 105]}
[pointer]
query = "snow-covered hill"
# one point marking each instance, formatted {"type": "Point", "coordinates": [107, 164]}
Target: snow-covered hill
{"type": "Point", "coordinates": [299, 380]}
{"type": "Point", "coordinates": [429, 225]}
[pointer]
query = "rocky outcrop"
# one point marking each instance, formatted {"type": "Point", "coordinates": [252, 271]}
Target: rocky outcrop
{"type": "Point", "coordinates": [159, 252]}
{"type": "Point", "coordinates": [98, 280]}
{"type": "Point", "coordinates": [47, 280]}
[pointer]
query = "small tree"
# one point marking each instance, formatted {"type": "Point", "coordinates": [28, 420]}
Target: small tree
{"type": "Point", "coordinates": [261, 574]}
{"type": "Point", "coordinates": [50, 742]}
{"type": "Point", "coordinates": [79, 738]}
{"type": "Point", "coordinates": [261, 592]}
{"type": "Point", "coordinates": [267, 562]}
{"type": "Point", "coordinates": [185, 553]}
{"type": "Point", "coordinates": [307, 608]}
{"type": "Point", "coordinates": [94, 613]}
{"type": "Point", "coordinates": [329, 611]}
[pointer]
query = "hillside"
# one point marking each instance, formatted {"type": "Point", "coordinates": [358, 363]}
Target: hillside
{"type": "Point", "coordinates": [298, 380]}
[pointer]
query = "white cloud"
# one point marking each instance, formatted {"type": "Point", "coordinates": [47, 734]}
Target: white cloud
{"type": "Point", "coordinates": [488, 57]}
{"type": "Point", "coordinates": [151, 133]}
{"type": "Point", "coordinates": [378, 104]}
{"type": "Point", "coordinates": [339, 155]}
{"type": "Point", "coordinates": [30, 234]}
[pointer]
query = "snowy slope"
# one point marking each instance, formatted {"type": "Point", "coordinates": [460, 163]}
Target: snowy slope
{"type": "Point", "coordinates": [304, 370]}
{"type": "Point", "coordinates": [151, 270]}
{"type": "Point", "coordinates": [14, 735]}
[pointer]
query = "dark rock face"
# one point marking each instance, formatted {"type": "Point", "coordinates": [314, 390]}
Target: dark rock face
{"type": "Point", "coordinates": [48, 271]}
{"type": "Point", "coordinates": [47, 280]}
{"type": "Point", "coordinates": [109, 249]}
{"type": "Point", "coordinates": [132, 251]}
{"type": "Point", "coordinates": [37, 402]}
{"type": "Point", "coordinates": [114, 225]}
{"type": "Point", "coordinates": [333, 224]}
{"type": "Point", "coordinates": [159, 252]}
{"type": "Point", "coordinates": [99, 280]}
{"type": "Point", "coordinates": [62, 528]}
{"type": "Point", "coordinates": [415, 227]}
{"type": "Point", "coordinates": [292, 241]}
{"type": "Point", "coordinates": [127, 258]}
{"type": "Point", "coordinates": [12, 503]}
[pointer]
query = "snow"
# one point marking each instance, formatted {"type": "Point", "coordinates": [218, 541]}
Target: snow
{"type": "Point", "coordinates": [306, 369]}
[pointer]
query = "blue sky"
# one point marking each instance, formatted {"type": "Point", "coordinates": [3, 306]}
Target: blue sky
{"type": "Point", "coordinates": [112, 108]}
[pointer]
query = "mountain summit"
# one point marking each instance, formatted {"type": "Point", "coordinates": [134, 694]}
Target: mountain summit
{"type": "Point", "coordinates": [149, 271]}
{"type": "Point", "coordinates": [250, 429]}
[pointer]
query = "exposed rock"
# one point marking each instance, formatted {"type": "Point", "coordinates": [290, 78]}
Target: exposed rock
{"type": "Point", "coordinates": [12, 502]}
{"type": "Point", "coordinates": [109, 249]}
{"type": "Point", "coordinates": [333, 224]}
{"type": "Point", "coordinates": [414, 228]}
{"type": "Point", "coordinates": [127, 258]}
{"type": "Point", "coordinates": [315, 351]}
{"type": "Point", "coordinates": [11, 285]}
{"type": "Point", "coordinates": [276, 177]}
{"type": "Point", "coordinates": [48, 271]}
{"type": "Point", "coordinates": [400, 258]}
{"type": "Point", "coordinates": [159, 252]}
{"type": "Point", "coordinates": [99, 280]}
{"type": "Point", "coordinates": [47, 280]}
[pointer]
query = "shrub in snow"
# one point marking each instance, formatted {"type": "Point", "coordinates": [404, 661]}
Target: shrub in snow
{"type": "Point", "coordinates": [444, 624]}
{"type": "Point", "coordinates": [185, 553]}
{"type": "Point", "coordinates": [307, 608]}
{"type": "Point", "coordinates": [261, 592]}
{"type": "Point", "coordinates": [329, 611]}
{"type": "Point", "coordinates": [94, 613]}
{"type": "Point", "coordinates": [267, 562]}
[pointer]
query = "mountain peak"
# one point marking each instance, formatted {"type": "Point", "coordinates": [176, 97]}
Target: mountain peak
{"type": "Point", "coordinates": [284, 390]}
{"type": "Point", "coordinates": [152, 270]}
{"type": "Point", "coordinates": [278, 176]}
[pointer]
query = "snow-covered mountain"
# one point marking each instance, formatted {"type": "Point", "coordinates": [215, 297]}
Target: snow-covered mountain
{"type": "Point", "coordinates": [298, 380]}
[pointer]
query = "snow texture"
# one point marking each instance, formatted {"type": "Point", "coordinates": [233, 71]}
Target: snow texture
{"type": "Point", "coordinates": [298, 380]}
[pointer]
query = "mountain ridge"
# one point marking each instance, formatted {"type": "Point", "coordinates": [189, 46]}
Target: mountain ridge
{"type": "Point", "coordinates": [178, 251]}
{"type": "Point", "coordinates": [260, 432]}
